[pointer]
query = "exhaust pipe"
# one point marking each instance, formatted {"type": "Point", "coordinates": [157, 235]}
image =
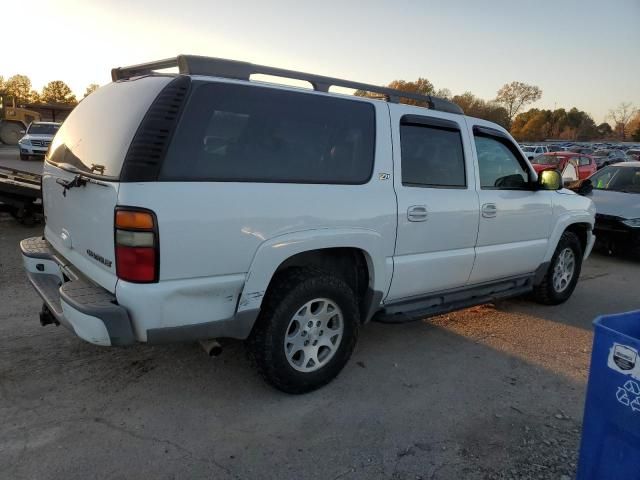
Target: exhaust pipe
{"type": "Point", "coordinates": [211, 347]}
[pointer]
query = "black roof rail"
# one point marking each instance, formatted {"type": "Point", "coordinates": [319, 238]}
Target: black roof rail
{"type": "Point", "coordinates": [220, 67]}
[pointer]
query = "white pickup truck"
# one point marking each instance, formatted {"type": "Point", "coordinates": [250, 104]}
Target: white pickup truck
{"type": "Point", "coordinates": [220, 207]}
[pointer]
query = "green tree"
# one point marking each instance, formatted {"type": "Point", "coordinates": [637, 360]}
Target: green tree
{"type": "Point", "coordinates": [90, 89]}
{"type": "Point", "coordinates": [421, 86]}
{"type": "Point", "coordinates": [57, 91]}
{"type": "Point", "coordinates": [515, 95]}
{"type": "Point", "coordinates": [18, 86]}
{"type": "Point", "coordinates": [604, 130]}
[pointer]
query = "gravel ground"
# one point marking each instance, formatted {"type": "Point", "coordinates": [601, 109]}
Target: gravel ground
{"type": "Point", "coordinates": [491, 392]}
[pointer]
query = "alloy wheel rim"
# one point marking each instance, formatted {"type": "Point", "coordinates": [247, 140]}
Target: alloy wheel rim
{"type": "Point", "coordinates": [564, 270]}
{"type": "Point", "coordinates": [313, 335]}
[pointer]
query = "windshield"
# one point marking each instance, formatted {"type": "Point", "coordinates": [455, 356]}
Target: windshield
{"type": "Point", "coordinates": [43, 129]}
{"type": "Point", "coordinates": [601, 153]}
{"type": "Point", "coordinates": [619, 179]}
{"type": "Point", "coordinates": [546, 160]}
{"type": "Point", "coordinates": [528, 149]}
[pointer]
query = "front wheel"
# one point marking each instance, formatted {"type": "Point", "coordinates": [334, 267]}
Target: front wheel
{"type": "Point", "coordinates": [306, 331]}
{"type": "Point", "coordinates": [562, 274]}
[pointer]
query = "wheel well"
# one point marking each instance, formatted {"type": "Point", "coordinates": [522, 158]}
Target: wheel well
{"type": "Point", "coordinates": [580, 230]}
{"type": "Point", "coordinates": [347, 262]}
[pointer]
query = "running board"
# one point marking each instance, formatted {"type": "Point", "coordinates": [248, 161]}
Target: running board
{"type": "Point", "coordinates": [450, 300]}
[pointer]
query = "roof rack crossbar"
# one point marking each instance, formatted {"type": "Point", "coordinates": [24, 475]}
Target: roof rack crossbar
{"type": "Point", "coordinates": [220, 67]}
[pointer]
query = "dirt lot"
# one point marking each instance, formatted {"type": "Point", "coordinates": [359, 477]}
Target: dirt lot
{"type": "Point", "coordinates": [489, 392]}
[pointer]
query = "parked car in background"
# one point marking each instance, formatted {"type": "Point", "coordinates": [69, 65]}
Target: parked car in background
{"type": "Point", "coordinates": [37, 139]}
{"type": "Point", "coordinates": [534, 150]}
{"type": "Point", "coordinates": [584, 164]}
{"type": "Point", "coordinates": [608, 157]}
{"type": "Point", "coordinates": [616, 194]}
{"type": "Point", "coordinates": [633, 154]}
{"type": "Point", "coordinates": [579, 149]}
{"type": "Point", "coordinates": [328, 209]}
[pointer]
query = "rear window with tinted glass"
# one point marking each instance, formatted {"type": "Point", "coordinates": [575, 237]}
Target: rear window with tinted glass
{"type": "Point", "coordinates": [254, 134]}
{"type": "Point", "coordinates": [96, 135]}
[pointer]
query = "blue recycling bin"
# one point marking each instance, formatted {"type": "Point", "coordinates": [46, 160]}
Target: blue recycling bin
{"type": "Point", "coordinates": [610, 446]}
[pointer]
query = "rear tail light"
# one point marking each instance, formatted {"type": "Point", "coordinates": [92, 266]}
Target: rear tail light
{"type": "Point", "coordinates": [136, 241]}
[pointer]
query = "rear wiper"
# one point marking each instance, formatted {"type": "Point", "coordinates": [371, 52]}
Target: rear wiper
{"type": "Point", "coordinates": [78, 181]}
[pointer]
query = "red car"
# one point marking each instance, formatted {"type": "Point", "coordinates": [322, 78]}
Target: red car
{"type": "Point", "coordinates": [585, 164]}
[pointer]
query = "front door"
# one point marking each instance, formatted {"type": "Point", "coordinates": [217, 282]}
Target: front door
{"type": "Point", "coordinates": [437, 203]}
{"type": "Point", "coordinates": [515, 219]}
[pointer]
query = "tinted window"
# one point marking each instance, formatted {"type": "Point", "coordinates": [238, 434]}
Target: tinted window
{"type": "Point", "coordinates": [96, 135]}
{"type": "Point", "coordinates": [431, 157]}
{"type": "Point", "coordinates": [622, 179]}
{"type": "Point", "coordinates": [246, 133]}
{"type": "Point", "coordinates": [499, 167]}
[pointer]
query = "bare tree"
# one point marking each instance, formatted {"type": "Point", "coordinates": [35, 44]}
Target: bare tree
{"type": "Point", "coordinates": [513, 96]}
{"type": "Point", "coordinates": [621, 117]}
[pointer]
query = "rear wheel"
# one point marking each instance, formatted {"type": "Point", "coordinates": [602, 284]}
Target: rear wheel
{"type": "Point", "coordinates": [562, 274]}
{"type": "Point", "coordinates": [306, 331]}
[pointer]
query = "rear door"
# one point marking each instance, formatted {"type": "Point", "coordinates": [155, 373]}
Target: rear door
{"type": "Point", "coordinates": [80, 179]}
{"type": "Point", "coordinates": [437, 202]}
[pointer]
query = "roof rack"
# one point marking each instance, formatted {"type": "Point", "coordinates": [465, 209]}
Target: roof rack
{"type": "Point", "coordinates": [220, 67]}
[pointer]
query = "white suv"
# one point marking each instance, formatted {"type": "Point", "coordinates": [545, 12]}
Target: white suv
{"type": "Point", "coordinates": [219, 207]}
{"type": "Point", "coordinates": [37, 139]}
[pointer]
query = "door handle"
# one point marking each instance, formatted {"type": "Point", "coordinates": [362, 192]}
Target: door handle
{"type": "Point", "coordinates": [417, 213]}
{"type": "Point", "coordinates": [489, 210]}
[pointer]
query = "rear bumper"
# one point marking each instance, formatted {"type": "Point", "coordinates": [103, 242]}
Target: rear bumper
{"type": "Point", "coordinates": [165, 312]}
{"type": "Point", "coordinates": [87, 309]}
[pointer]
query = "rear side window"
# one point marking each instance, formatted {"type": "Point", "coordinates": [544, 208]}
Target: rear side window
{"type": "Point", "coordinates": [253, 134]}
{"type": "Point", "coordinates": [431, 157]}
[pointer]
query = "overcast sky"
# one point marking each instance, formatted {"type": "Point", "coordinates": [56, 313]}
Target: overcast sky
{"type": "Point", "coordinates": [581, 53]}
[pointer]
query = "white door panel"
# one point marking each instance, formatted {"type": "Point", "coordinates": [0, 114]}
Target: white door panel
{"type": "Point", "coordinates": [411, 278]}
{"type": "Point", "coordinates": [500, 261]}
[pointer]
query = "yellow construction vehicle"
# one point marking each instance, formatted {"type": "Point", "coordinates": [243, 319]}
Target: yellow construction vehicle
{"type": "Point", "coordinates": [15, 118]}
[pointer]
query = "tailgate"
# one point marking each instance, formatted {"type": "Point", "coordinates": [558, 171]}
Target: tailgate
{"type": "Point", "coordinates": [79, 224]}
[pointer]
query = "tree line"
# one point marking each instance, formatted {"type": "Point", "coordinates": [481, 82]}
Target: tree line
{"type": "Point", "coordinates": [56, 91]}
{"type": "Point", "coordinates": [534, 125]}
{"type": "Point", "coordinates": [506, 109]}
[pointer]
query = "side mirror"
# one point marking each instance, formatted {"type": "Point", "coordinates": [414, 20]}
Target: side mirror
{"type": "Point", "coordinates": [549, 180]}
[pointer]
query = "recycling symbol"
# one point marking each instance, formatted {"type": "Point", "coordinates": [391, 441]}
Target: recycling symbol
{"type": "Point", "coordinates": [629, 395]}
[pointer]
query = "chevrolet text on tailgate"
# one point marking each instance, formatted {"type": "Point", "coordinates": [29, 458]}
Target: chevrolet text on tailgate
{"type": "Point", "coordinates": [220, 207]}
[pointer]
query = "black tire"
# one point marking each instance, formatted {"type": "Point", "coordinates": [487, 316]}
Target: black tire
{"type": "Point", "coordinates": [24, 156]}
{"type": "Point", "coordinates": [288, 294]}
{"type": "Point", "coordinates": [545, 292]}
